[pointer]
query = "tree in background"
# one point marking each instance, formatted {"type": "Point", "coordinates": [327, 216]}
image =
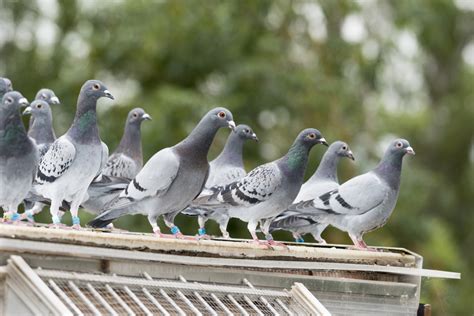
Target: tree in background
{"type": "Point", "coordinates": [363, 72]}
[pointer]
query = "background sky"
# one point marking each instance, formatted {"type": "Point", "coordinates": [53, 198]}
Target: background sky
{"type": "Point", "coordinates": [360, 71]}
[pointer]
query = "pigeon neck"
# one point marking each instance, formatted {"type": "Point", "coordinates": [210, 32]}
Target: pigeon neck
{"type": "Point", "coordinates": [41, 130]}
{"type": "Point", "coordinates": [197, 144]}
{"type": "Point", "coordinates": [12, 131]}
{"type": "Point", "coordinates": [131, 142]}
{"type": "Point", "coordinates": [84, 127]}
{"type": "Point", "coordinates": [389, 169]}
{"type": "Point", "coordinates": [232, 152]}
{"type": "Point", "coordinates": [327, 169]}
{"type": "Point", "coordinates": [295, 161]}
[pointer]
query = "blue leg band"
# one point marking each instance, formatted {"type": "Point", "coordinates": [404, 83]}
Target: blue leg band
{"type": "Point", "coordinates": [15, 217]}
{"type": "Point", "coordinates": [175, 230]}
{"type": "Point", "coordinates": [76, 220]}
{"type": "Point", "coordinates": [30, 214]}
{"type": "Point", "coordinates": [202, 231]}
{"type": "Point", "coordinates": [56, 219]}
{"type": "Point", "coordinates": [299, 239]}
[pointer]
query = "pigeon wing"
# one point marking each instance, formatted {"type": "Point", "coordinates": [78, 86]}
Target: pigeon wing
{"type": "Point", "coordinates": [56, 161]}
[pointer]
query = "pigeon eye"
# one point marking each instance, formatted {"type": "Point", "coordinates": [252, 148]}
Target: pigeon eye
{"type": "Point", "coordinates": [246, 131]}
{"type": "Point", "coordinates": [312, 136]}
{"type": "Point", "coordinates": [135, 114]}
{"type": "Point", "coordinates": [9, 100]}
{"type": "Point", "coordinates": [344, 148]}
{"type": "Point", "coordinates": [39, 106]}
{"type": "Point", "coordinates": [399, 145]}
{"type": "Point", "coordinates": [221, 114]}
{"type": "Point", "coordinates": [96, 86]}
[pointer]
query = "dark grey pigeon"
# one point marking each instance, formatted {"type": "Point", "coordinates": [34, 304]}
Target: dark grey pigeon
{"type": "Point", "coordinates": [267, 190]}
{"type": "Point", "coordinates": [226, 168]}
{"type": "Point", "coordinates": [48, 96]}
{"type": "Point", "coordinates": [363, 203]}
{"type": "Point", "coordinates": [74, 159]}
{"type": "Point", "coordinates": [127, 160]}
{"type": "Point", "coordinates": [41, 130]}
{"type": "Point", "coordinates": [171, 179]}
{"type": "Point", "coordinates": [5, 86]}
{"type": "Point", "coordinates": [18, 156]}
{"type": "Point", "coordinates": [323, 180]}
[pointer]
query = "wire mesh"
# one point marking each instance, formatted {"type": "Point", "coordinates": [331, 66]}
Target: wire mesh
{"type": "Point", "coordinates": [140, 296]}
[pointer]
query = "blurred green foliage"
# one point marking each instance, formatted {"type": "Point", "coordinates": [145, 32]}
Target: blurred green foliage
{"type": "Point", "coordinates": [363, 72]}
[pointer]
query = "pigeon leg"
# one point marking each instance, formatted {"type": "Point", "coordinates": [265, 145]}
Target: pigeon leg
{"type": "Point", "coordinates": [29, 214]}
{"type": "Point", "coordinates": [53, 210]}
{"type": "Point", "coordinates": [202, 228]}
{"type": "Point", "coordinates": [169, 221]}
{"type": "Point", "coordinates": [223, 226]}
{"type": "Point", "coordinates": [298, 238]}
{"type": "Point", "coordinates": [317, 229]}
{"type": "Point", "coordinates": [76, 221]}
{"type": "Point", "coordinates": [252, 227]}
{"type": "Point", "coordinates": [152, 218]}
{"type": "Point", "coordinates": [266, 230]}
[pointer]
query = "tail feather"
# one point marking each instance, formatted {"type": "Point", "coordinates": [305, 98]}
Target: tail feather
{"type": "Point", "coordinates": [107, 217]}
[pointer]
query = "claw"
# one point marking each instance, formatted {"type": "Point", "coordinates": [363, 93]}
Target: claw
{"type": "Point", "coordinates": [261, 244]}
{"type": "Point", "coordinates": [76, 227]}
{"type": "Point", "coordinates": [277, 243]}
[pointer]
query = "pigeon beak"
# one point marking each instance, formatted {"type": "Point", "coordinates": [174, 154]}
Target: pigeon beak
{"type": "Point", "coordinates": [254, 137]}
{"type": "Point", "coordinates": [323, 141]}
{"type": "Point", "coordinates": [146, 117]}
{"type": "Point", "coordinates": [350, 155]}
{"type": "Point", "coordinates": [410, 150]}
{"type": "Point", "coordinates": [231, 125]}
{"type": "Point", "coordinates": [23, 102]}
{"type": "Point", "coordinates": [54, 100]}
{"type": "Point", "coordinates": [109, 95]}
{"type": "Point", "coordinates": [27, 111]}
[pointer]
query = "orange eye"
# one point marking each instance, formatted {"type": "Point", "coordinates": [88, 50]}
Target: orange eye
{"type": "Point", "coordinates": [96, 86]}
{"type": "Point", "coordinates": [221, 114]}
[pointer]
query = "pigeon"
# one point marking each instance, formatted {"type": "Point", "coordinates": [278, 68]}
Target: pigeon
{"type": "Point", "coordinates": [41, 129]}
{"type": "Point", "coordinates": [74, 159]}
{"type": "Point", "coordinates": [171, 179]}
{"type": "Point", "coordinates": [18, 156]}
{"type": "Point", "coordinates": [127, 160]}
{"type": "Point", "coordinates": [323, 180]}
{"type": "Point", "coordinates": [226, 168]}
{"type": "Point", "coordinates": [363, 203]}
{"type": "Point", "coordinates": [48, 96]}
{"type": "Point", "coordinates": [5, 86]}
{"type": "Point", "coordinates": [267, 190]}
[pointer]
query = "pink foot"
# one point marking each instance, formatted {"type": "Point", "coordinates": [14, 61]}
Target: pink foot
{"type": "Point", "coordinates": [261, 244]}
{"type": "Point", "coordinates": [201, 237]}
{"type": "Point", "coordinates": [57, 226]}
{"type": "Point", "coordinates": [76, 227]}
{"type": "Point", "coordinates": [277, 243]}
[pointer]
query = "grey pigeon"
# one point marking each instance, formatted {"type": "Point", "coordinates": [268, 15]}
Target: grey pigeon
{"type": "Point", "coordinates": [18, 156]}
{"type": "Point", "coordinates": [323, 180]}
{"type": "Point", "coordinates": [5, 86]}
{"type": "Point", "coordinates": [268, 189]}
{"type": "Point", "coordinates": [127, 159]}
{"type": "Point", "coordinates": [42, 132]}
{"type": "Point", "coordinates": [226, 168]}
{"type": "Point", "coordinates": [363, 203]}
{"type": "Point", "coordinates": [49, 97]}
{"type": "Point", "coordinates": [74, 159]}
{"type": "Point", "coordinates": [171, 179]}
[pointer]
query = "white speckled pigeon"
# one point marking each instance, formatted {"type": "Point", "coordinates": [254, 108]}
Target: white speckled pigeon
{"type": "Point", "coordinates": [171, 179]}
{"type": "Point", "coordinates": [18, 156]}
{"type": "Point", "coordinates": [268, 189]}
{"type": "Point", "coordinates": [226, 168]}
{"type": "Point", "coordinates": [74, 159]}
{"type": "Point", "coordinates": [127, 159]}
{"type": "Point", "coordinates": [48, 96]}
{"type": "Point", "coordinates": [363, 203]}
{"type": "Point", "coordinates": [323, 180]}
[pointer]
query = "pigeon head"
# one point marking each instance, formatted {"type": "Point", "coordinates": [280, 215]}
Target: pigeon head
{"type": "Point", "coordinates": [13, 100]}
{"type": "Point", "coordinates": [341, 149]}
{"type": "Point", "coordinates": [310, 137]}
{"type": "Point", "coordinates": [399, 148]}
{"type": "Point", "coordinates": [137, 115]}
{"type": "Point", "coordinates": [5, 86]}
{"type": "Point", "coordinates": [48, 96]}
{"type": "Point", "coordinates": [221, 117]}
{"type": "Point", "coordinates": [95, 90]}
{"type": "Point", "coordinates": [38, 109]}
{"type": "Point", "coordinates": [245, 132]}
